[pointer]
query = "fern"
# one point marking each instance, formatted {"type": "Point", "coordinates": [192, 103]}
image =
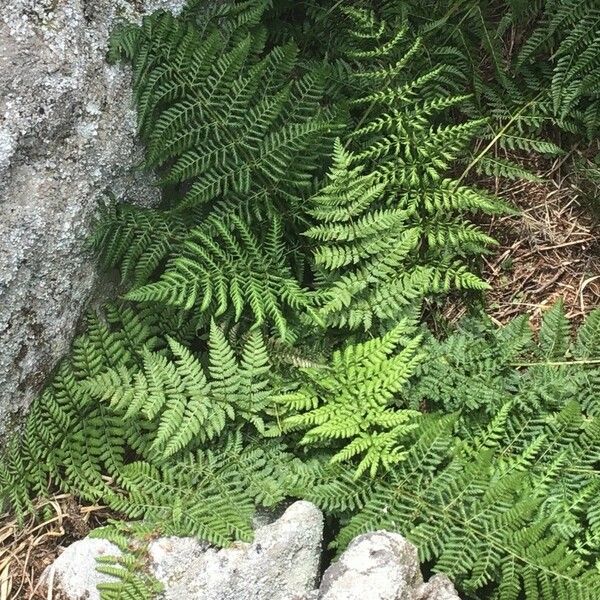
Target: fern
{"type": "Point", "coordinates": [211, 494]}
{"type": "Point", "coordinates": [267, 347]}
{"type": "Point", "coordinates": [390, 223]}
{"type": "Point", "coordinates": [132, 580]}
{"type": "Point", "coordinates": [350, 402]}
{"type": "Point", "coordinates": [568, 34]}
{"type": "Point", "coordinates": [383, 248]}
{"type": "Point", "coordinates": [136, 240]}
{"type": "Point", "coordinates": [180, 400]}
{"type": "Point", "coordinates": [502, 493]}
{"type": "Point", "coordinates": [127, 419]}
{"type": "Point", "coordinates": [477, 519]}
{"type": "Point", "coordinates": [235, 136]}
{"type": "Point", "coordinates": [223, 266]}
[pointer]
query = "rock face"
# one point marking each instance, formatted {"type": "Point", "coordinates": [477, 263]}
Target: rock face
{"type": "Point", "coordinates": [66, 137]}
{"type": "Point", "coordinates": [282, 563]}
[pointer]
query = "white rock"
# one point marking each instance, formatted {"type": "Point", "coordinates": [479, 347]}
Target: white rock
{"type": "Point", "coordinates": [282, 563]}
{"type": "Point", "coordinates": [377, 566]}
{"type": "Point", "coordinates": [66, 136]}
{"type": "Point", "coordinates": [74, 571]}
{"type": "Point", "coordinates": [439, 587]}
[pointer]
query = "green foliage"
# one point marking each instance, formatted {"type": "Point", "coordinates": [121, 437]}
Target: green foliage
{"type": "Point", "coordinates": [132, 583]}
{"type": "Point", "coordinates": [212, 493]}
{"type": "Point", "coordinates": [479, 515]}
{"type": "Point", "coordinates": [351, 401]}
{"type": "Point", "coordinates": [222, 265]}
{"type": "Point", "coordinates": [391, 224]}
{"type": "Point", "coordinates": [387, 238]}
{"type": "Point", "coordinates": [530, 66]}
{"type": "Point", "coordinates": [136, 240]}
{"type": "Point", "coordinates": [501, 492]}
{"type": "Point", "coordinates": [268, 345]}
{"type": "Point", "coordinates": [479, 368]}
{"type": "Point", "coordinates": [124, 424]}
{"type": "Point", "coordinates": [130, 570]}
{"type": "Point", "coordinates": [183, 405]}
{"type": "Point", "coordinates": [235, 134]}
{"type": "Point", "coordinates": [567, 36]}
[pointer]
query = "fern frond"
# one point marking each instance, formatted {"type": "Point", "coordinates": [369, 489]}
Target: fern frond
{"type": "Point", "coordinates": [351, 402]}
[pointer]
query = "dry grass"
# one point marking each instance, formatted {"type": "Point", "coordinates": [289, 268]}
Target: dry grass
{"type": "Point", "coordinates": [26, 550]}
{"type": "Point", "coordinates": [550, 250]}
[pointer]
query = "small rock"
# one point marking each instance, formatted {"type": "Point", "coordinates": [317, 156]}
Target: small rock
{"type": "Point", "coordinates": [377, 566]}
{"type": "Point", "coordinates": [282, 563]}
{"type": "Point", "coordinates": [439, 587]}
{"type": "Point", "coordinates": [74, 571]}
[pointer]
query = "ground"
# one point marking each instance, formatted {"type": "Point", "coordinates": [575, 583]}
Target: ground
{"type": "Point", "coordinates": [549, 249]}
{"type": "Point", "coordinates": [26, 550]}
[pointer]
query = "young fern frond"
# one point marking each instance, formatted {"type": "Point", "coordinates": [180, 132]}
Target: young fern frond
{"type": "Point", "coordinates": [349, 403]}
{"type": "Point", "coordinates": [389, 223]}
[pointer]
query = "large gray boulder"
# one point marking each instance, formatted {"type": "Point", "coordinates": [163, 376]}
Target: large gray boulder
{"type": "Point", "coordinates": [66, 137]}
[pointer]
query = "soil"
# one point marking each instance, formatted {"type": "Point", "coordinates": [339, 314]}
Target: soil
{"type": "Point", "coordinates": [549, 250]}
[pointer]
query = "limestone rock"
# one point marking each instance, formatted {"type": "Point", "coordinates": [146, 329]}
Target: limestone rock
{"type": "Point", "coordinates": [439, 587]}
{"type": "Point", "coordinates": [382, 566]}
{"type": "Point", "coordinates": [282, 563]}
{"type": "Point", "coordinates": [66, 137]}
{"type": "Point", "coordinates": [378, 566]}
{"type": "Point", "coordinates": [74, 571]}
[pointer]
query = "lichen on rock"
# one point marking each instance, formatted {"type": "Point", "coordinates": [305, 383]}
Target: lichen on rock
{"type": "Point", "coordinates": [281, 563]}
{"type": "Point", "coordinates": [67, 136]}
